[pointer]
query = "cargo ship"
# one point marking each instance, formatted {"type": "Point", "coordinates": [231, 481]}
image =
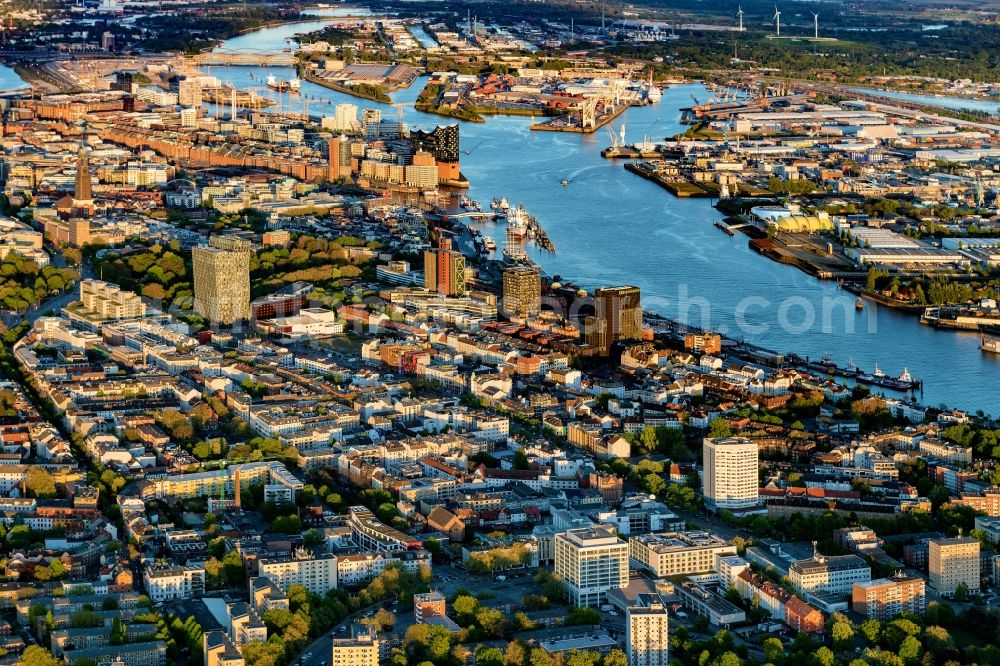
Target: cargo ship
{"type": "Point", "coordinates": [989, 339]}
{"type": "Point", "coordinates": [968, 317]}
{"type": "Point", "coordinates": [291, 85]}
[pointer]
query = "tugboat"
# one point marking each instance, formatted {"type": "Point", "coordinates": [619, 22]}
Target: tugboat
{"type": "Point", "coordinates": [565, 182]}
{"type": "Point", "coordinates": [859, 304]}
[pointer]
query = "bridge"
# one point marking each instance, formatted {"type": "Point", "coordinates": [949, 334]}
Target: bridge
{"type": "Point", "coordinates": [245, 58]}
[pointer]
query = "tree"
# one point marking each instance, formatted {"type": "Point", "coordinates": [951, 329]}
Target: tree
{"type": "Point", "coordinates": [214, 572]}
{"type": "Point", "coordinates": [871, 628]}
{"type": "Point", "coordinates": [489, 657]}
{"type": "Point", "coordinates": [516, 654]}
{"type": "Point", "coordinates": [647, 440]}
{"type": "Point", "coordinates": [117, 636]}
{"type": "Point", "coordinates": [40, 483]}
{"type": "Point", "coordinates": [774, 651]}
{"type": "Point", "coordinates": [719, 427]}
{"type": "Point", "coordinates": [582, 615]}
{"type": "Point", "coordinates": [615, 658]}
{"type": "Point", "coordinates": [35, 655]}
{"type": "Point", "coordinates": [842, 635]}
{"type": "Point", "coordinates": [465, 608]}
{"type": "Point", "coordinates": [910, 650]}
{"type": "Point", "coordinates": [540, 657]}
{"type": "Point", "coordinates": [825, 657]}
{"type": "Point", "coordinates": [492, 621]}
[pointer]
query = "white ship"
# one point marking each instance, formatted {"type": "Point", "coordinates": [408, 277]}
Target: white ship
{"type": "Point", "coordinates": [291, 85]}
{"type": "Point", "coordinates": [517, 221]}
{"type": "Point", "coordinates": [489, 243]}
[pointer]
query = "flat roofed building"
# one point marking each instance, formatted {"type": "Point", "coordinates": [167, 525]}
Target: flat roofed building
{"type": "Point", "coordinates": [834, 574]}
{"type": "Point", "coordinates": [522, 291]}
{"type": "Point", "coordinates": [885, 598]}
{"type": "Point", "coordinates": [730, 473]}
{"type": "Point", "coordinates": [108, 301]}
{"type": "Point", "coordinates": [318, 574]}
{"type": "Point", "coordinates": [647, 627]}
{"type": "Point", "coordinates": [591, 561]}
{"type": "Point", "coordinates": [953, 563]}
{"type": "Point", "coordinates": [360, 649]}
{"type": "Point", "coordinates": [221, 284]}
{"type": "Point", "coordinates": [673, 553]}
{"type": "Point", "coordinates": [152, 653]}
{"type": "Point", "coordinates": [164, 583]}
{"type": "Point", "coordinates": [430, 604]}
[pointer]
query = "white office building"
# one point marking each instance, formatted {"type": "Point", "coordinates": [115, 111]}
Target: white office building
{"type": "Point", "coordinates": [591, 561]}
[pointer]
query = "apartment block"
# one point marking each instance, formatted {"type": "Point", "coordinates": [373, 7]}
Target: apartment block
{"type": "Point", "coordinates": [885, 598]}
{"type": "Point", "coordinates": [318, 574]}
{"type": "Point", "coordinates": [219, 650]}
{"type": "Point", "coordinates": [952, 563]}
{"type": "Point", "coordinates": [591, 561]}
{"type": "Point", "coordinates": [730, 473]}
{"type": "Point", "coordinates": [164, 583]}
{"type": "Point", "coordinates": [360, 649]}
{"type": "Point", "coordinates": [834, 575]}
{"type": "Point", "coordinates": [647, 625]}
{"type": "Point", "coordinates": [108, 301]}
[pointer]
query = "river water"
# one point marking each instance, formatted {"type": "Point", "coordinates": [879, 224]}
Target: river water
{"type": "Point", "coordinates": [612, 227]}
{"type": "Point", "coordinates": [944, 101]}
{"type": "Point", "coordinates": [9, 80]}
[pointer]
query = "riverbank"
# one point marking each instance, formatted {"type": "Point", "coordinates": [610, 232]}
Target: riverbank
{"type": "Point", "coordinates": [34, 78]}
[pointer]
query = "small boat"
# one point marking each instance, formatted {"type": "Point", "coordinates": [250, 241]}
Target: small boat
{"type": "Point", "coordinates": [565, 182]}
{"type": "Point", "coordinates": [859, 304]}
{"type": "Point", "coordinates": [489, 243]}
{"type": "Point", "coordinates": [500, 206]}
{"type": "Point", "coordinates": [906, 376]}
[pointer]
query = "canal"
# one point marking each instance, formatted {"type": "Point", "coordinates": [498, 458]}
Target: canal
{"type": "Point", "coordinates": [611, 227]}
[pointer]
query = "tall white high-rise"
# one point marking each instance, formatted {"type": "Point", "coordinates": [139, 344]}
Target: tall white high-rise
{"type": "Point", "coordinates": [730, 476]}
{"type": "Point", "coordinates": [647, 631]}
{"type": "Point", "coordinates": [591, 561]}
{"type": "Point", "coordinates": [344, 118]}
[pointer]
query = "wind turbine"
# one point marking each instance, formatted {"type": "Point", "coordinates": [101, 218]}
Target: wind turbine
{"type": "Point", "coordinates": [739, 15]}
{"type": "Point", "coordinates": [777, 19]}
{"type": "Point", "coordinates": [815, 25]}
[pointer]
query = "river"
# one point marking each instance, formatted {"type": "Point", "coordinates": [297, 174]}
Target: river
{"type": "Point", "coordinates": [944, 101]}
{"type": "Point", "coordinates": [9, 79]}
{"type": "Point", "coordinates": [611, 227]}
